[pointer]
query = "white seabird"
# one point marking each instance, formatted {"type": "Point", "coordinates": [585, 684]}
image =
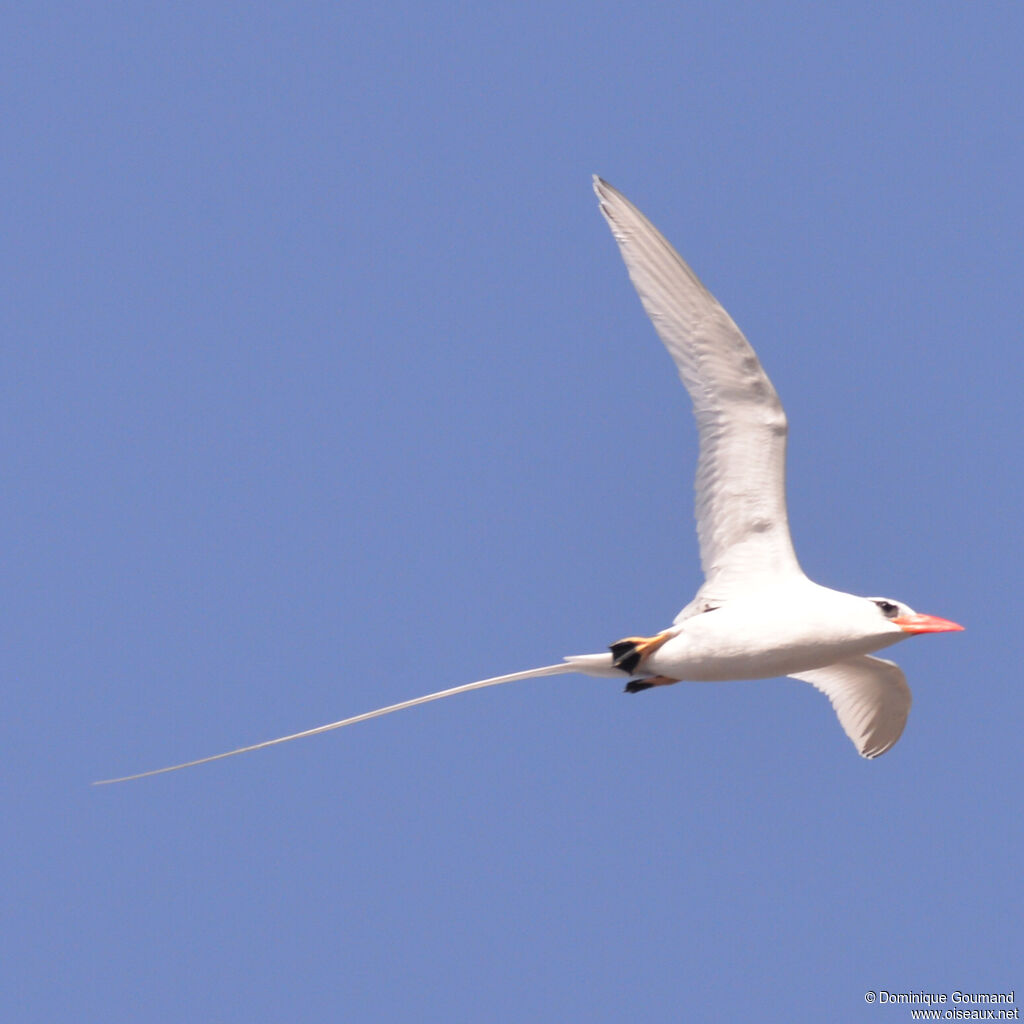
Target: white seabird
{"type": "Point", "coordinates": [757, 615]}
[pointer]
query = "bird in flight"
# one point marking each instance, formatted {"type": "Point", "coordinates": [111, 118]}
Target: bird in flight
{"type": "Point", "coordinates": [756, 615]}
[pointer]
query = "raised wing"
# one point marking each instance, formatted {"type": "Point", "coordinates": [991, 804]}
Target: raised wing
{"type": "Point", "coordinates": [871, 698]}
{"type": "Point", "coordinates": [741, 488]}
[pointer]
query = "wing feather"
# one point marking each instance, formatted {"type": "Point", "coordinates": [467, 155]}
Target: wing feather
{"type": "Point", "coordinates": [741, 501]}
{"type": "Point", "coordinates": [870, 696]}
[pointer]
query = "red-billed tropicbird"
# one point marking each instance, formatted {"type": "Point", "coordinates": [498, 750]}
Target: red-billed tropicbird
{"type": "Point", "coordinates": [757, 615]}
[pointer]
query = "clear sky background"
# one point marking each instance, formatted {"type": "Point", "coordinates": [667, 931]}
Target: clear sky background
{"type": "Point", "coordinates": [324, 386]}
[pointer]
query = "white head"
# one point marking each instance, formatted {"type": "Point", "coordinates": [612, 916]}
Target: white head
{"type": "Point", "coordinates": [895, 617]}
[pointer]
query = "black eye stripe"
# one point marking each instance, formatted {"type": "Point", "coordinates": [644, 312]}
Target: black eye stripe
{"type": "Point", "coordinates": [888, 608]}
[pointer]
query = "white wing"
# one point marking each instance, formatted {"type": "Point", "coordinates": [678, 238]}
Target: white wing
{"type": "Point", "coordinates": [871, 698]}
{"type": "Point", "coordinates": [741, 487]}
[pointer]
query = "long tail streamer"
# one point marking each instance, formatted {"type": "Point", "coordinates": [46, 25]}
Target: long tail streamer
{"type": "Point", "coordinates": [549, 670]}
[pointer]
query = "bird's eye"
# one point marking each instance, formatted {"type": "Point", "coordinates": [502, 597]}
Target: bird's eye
{"type": "Point", "coordinates": [889, 610]}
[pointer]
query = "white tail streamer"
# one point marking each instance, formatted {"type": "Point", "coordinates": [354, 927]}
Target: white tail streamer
{"type": "Point", "coordinates": [549, 670]}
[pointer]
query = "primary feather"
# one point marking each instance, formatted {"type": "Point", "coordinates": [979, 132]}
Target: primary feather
{"type": "Point", "coordinates": [742, 524]}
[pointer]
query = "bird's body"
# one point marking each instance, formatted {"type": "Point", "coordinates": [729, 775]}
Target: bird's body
{"type": "Point", "coordinates": [756, 615]}
{"type": "Point", "coordinates": [772, 631]}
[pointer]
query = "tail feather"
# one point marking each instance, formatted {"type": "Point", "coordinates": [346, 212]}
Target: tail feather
{"type": "Point", "coordinates": [594, 665]}
{"type": "Point", "coordinates": [569, 665]}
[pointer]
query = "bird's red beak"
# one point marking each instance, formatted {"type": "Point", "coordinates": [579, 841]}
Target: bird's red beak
{"type": "Point", "coordinates": [926, 624]}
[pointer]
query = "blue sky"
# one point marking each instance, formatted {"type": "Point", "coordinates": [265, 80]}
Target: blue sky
{"type": "Point", "coordinates": [324, 387]}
